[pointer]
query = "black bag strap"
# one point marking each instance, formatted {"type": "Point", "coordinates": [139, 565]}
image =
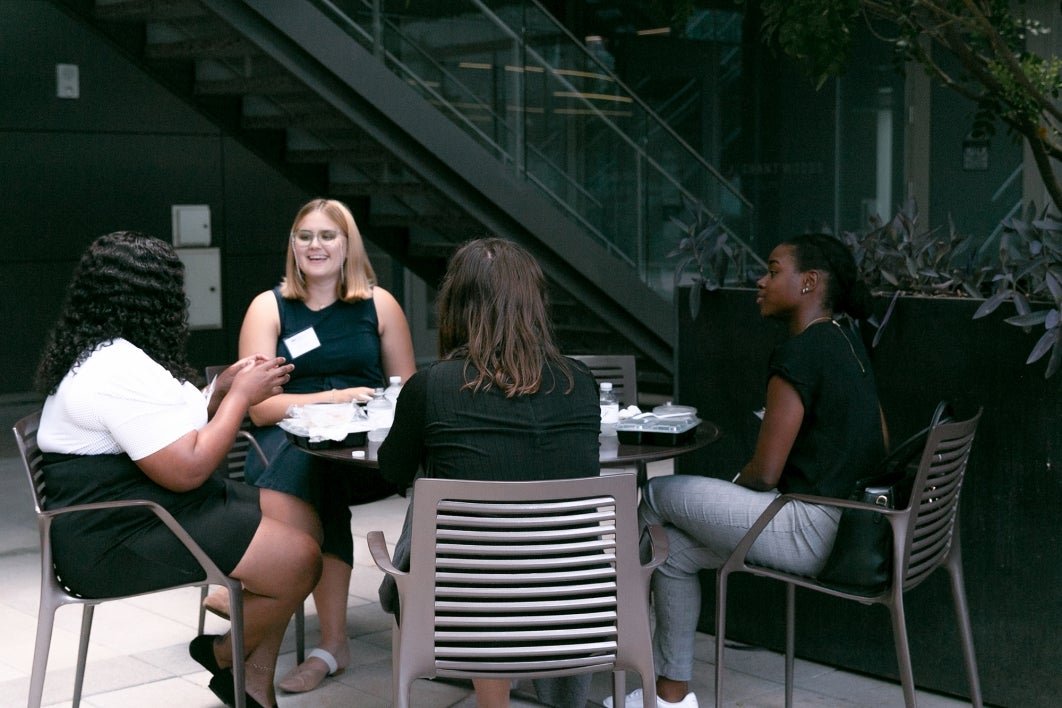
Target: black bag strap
{"type": "Point", "coordinates": [897, 464]}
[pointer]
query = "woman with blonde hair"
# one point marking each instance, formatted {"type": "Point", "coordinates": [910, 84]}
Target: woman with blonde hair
{"type": "Point", "coordinates": [346, 336]}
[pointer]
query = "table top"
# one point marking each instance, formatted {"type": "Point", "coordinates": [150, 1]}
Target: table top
{"type": "Point", "coordinates": [613, 454]}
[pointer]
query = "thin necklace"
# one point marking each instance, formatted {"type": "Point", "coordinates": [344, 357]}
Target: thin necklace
{"type": "Point", "coordinates": [824, 318]}
{"type": "Point", "coordinates": [827, 318]}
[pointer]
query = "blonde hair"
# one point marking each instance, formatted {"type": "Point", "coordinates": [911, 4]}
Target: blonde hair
{"type": "Point", "coordinates": [357, 277]}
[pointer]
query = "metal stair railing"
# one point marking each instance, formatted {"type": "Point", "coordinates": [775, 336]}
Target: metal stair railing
{"type": "Point", "coordinates": [533, 95]}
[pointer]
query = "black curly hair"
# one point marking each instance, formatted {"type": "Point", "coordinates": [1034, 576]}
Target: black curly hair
{"type": "Point", "coordinates": [127, 285]}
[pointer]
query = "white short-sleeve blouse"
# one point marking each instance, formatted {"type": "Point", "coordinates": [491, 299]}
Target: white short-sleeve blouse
{"type": "Point", "coordinates": [119, 400]}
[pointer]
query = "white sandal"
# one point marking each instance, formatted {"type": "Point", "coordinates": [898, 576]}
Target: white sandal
{"type": "Point", "coordinates": [306, 676]}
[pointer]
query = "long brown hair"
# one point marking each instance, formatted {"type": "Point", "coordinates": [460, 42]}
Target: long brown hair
{"type": "Point", "coordinates": [358, 277]}
{"type": "Point", "coordinates": [493, 312]}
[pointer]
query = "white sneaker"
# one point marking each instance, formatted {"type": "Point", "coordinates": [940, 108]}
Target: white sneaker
{"type": "Point", "coordinates": [634, 700]}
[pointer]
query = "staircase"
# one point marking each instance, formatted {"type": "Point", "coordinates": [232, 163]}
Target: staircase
{"type": "Point", "coordinates": [443, 120]}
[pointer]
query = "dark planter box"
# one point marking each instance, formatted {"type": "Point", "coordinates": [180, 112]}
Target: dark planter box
{"type": "Point", "coordinates": [1011, 503]}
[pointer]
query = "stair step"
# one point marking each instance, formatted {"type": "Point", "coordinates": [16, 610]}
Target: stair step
{"type": "Point", "coordinates": [149, 10]}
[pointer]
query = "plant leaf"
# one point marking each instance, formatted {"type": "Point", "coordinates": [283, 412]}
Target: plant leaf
{"type": "Point", "coordinates": [1056, 356]}
{"type": "Point", "coordinates": [989, 306]}
{"type": "Point", "coordinates": [1028, 320]}
{"type": "Point", "coordinates": [1043, 345]}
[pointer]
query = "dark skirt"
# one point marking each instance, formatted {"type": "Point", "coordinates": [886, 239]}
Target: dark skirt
{"type": "Point", "coordinates": [330, 487]}
{"type": "Point", "coordinates": [127, 551]}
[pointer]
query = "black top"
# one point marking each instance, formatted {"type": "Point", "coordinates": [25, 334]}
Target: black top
{"type": "Point", "coordinates": [457, 434]}
{"type": "Point", "coordinates": [840, 438]}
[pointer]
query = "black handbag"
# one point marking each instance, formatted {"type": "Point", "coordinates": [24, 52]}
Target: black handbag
{"type": "Point", "coordinates": [862, 552]}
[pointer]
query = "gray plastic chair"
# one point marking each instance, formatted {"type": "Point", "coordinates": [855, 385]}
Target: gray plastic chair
{"type": "Point", "coordinates": [54, 595]}
{"type": "Point", "coordinates": [925, 537]}
{"type": "Point", "coordinates": [621, 371]}
{"type": "Point", "coordinates": [232, 467]}
{"type": "Point", "coordinates": [523, 580]}
{"type": "Point", "coordinates": [618, 369]}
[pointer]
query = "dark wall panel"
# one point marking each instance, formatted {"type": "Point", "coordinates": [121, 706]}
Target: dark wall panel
{"type": "Point", "coordinates": [118, 157]}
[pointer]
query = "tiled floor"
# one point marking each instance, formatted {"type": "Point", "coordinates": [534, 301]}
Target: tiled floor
{"type": "Point", "coordinates": [138, 654]}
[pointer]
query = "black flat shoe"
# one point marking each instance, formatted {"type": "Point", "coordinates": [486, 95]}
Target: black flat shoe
{"type": "Point", "coordinates": [225, 692]}
{"type": "Point", "coordinates": [202, 650]}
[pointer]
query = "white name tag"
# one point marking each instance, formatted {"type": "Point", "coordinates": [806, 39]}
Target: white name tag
{"type": "Point", "coordinates": [302, 342]}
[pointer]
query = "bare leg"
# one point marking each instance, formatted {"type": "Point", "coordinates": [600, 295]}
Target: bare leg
{"type": "Point", "coordinates": [278, 570]}
{"type": "Point", "coordinates": [330, 597]}
{"type": "Point", "coordinates": [492, 693]}
{"type": "Point", "coordinates": [285, 508]}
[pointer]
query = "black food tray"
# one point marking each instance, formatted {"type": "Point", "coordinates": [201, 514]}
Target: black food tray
{"type": "Point", "coordinates": [358, 439]}
{"type": "Point", "coordinates": [655, 437]}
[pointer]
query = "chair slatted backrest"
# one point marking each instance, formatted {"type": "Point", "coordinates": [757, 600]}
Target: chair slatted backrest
{"type": "Point", "coordinates": [935, 498]}
{"type": "Point", "coordinates": [522, 578]}
{"type": "Point", "coordinates": [26, 436]}
{"type": "Point", "coordinates": [618, 369]}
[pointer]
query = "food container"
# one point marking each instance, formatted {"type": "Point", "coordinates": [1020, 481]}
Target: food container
{"type": "Point", "coordinates": [355, 439]}
{"type": "Point", "coordinates": [675, 428]}
{"type": "Point", "coordinates": [321, 426]}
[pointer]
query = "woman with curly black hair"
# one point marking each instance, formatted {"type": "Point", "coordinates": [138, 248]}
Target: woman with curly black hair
{"type": "Point", "coordinates": [122, 421]}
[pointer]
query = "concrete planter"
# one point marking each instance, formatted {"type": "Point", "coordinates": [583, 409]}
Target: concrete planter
{"type": "Point", "coordinates": [1011, 505]}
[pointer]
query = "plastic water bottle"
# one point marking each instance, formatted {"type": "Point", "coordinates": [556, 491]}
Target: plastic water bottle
{"type": "Point", "coordinates": [609, 409]}
{"type": "Point", "coordinates": [381, 415]}
{"type": "Point", "coordinates": [394, 387]}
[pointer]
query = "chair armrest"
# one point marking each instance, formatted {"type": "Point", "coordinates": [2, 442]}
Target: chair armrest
{"type": "Point", "coordinates": [378, 549]}
{"type": "Point", "coordinates": [740, 551]}
{"type": "Point", "coordinates": [209, 567]}
{"type": "Point", "coordinates": [659, 545]}
{"type": "Point", "coordinates": [253, 445]}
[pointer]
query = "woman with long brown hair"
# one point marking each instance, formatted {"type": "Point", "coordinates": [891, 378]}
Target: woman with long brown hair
{"type": "Point", "coordinates": [502, 404]}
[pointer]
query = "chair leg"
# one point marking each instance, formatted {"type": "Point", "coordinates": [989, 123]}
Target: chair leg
{"type": "Point", "coordinates": [300, 634]}
{"type": "Point", "coordinates": [82, 652]}
{"type": "Point", "coordinates": [962, 617]}
{"type": "Point", "coordinates": [903, 650]}
{"type": "Point", "coordinates": [45, 622]}
{"type": "Point", "coordinates": [203, 591]}
{"type": "Point", "coordinates": [720, 633]}
{"type": "Point", "coordinates": [790, 641]}
{"type": "Point", "coordinates": [239, 677]}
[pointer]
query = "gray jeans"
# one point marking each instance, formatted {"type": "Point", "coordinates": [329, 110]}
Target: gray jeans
{"type": "Point", "coordinates": [705, 518]}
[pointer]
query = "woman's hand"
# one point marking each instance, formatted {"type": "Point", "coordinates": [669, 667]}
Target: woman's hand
{"type": "Point", "coordinates": [358, 394]}
{"type": "Point", "coordinates": [259, 378]}
{"type": "Point", "coordinates": [223, 382]}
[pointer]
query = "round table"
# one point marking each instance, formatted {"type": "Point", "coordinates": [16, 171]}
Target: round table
{"type": "Point", "coordinates": [613, 454]}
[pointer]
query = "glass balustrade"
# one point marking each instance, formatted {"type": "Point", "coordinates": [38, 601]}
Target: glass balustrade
{"type": "Point", "coordinates": [549, 107]}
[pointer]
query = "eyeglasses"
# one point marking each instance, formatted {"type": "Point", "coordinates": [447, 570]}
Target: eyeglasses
{"type": "Point", "coordinates": [305, 238]}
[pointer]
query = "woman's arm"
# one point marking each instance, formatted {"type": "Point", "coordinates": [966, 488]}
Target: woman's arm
{"type": "Point", "coordinates": [187, 462]}
{"type": "Point", "coordinates": [396, 344]}
{"type": "Point", "coordinates": [781, 423]}
{"type": "Point", "coordinates": [402, 449]}
{"type": "Point", "coordinates": [258, 335]}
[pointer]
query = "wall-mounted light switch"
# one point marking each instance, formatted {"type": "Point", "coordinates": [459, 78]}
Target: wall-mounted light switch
{"type": "Point", "coordinates": [67, 81]}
